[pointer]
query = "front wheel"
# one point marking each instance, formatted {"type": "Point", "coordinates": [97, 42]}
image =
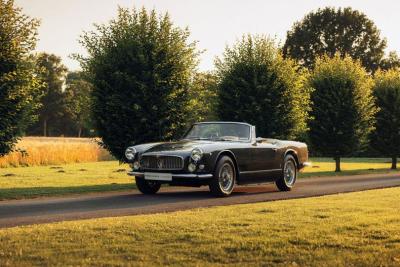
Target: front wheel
{"type": "Point", "coordinates": [147, 187]}
{"type": "Point", "coordinates": [224, 178]}
{"type": "Point", "coordinates": [289, 174]}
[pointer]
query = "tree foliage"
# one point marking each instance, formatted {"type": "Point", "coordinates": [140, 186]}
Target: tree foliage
{"type": "Point", "coordinates": [19, 88]}
{"type": "Point", "coordinates": [202, 98]}
{"type": "Point", "coordinates": [256, 85]}
{"type": "Point", "coordinates": [140, 66]}
{"type": "Point", "coordinates": [386, 137]}
{"type": "Point", "coordinates": [77, 104]}
{"type": "Point", "coordinates": [392, 61]}
{"type": "Point", "coordinates": [330, 30]}
{"type": "Point", "coordinates": [52, 72]}
{"type": "Point", "coordinates": [343, 107]}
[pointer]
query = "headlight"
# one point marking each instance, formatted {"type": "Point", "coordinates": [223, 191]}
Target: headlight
{"type": "Point", "coordinates": [136, 165]}
{"type": "Point", "coordinates": [130, 153]}
{"type": "Point", "coordinates": [196, 154]}
{"type": "Point", "coordinates": [191, 167]}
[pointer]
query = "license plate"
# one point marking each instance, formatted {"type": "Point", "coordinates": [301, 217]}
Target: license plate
{"type": "Point", "coordinates": [156, 176]}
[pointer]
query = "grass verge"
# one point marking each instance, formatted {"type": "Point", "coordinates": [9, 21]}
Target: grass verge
{"type": "Point", "coordinates": [35, 181]}
{"type": "Point", "coordinates": [350, 166]}
{"type": "Point", "coordinates": [355, 229]}
{"type": "Point", "coordinates": [29, 182]}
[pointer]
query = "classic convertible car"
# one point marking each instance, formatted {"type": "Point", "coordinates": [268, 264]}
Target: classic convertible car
{"type": "Point", "coordinates": [220, 155]}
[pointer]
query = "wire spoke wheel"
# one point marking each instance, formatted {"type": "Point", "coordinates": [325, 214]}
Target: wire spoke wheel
{"type": "Point", "coordinates": [289, 172]}
{"type": "Point", "coordinates": [226, 177]}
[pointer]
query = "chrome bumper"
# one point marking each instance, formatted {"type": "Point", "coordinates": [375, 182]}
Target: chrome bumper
{"type": "Point", "coordinates": [177, 175]}
{"type": "Point", "coordinates": [305, 164]}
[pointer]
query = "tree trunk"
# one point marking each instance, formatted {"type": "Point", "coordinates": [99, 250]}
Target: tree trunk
{"type": "Point", "coordinates": [394, 163]}
{"type": "Point", "coordinates": [80, 132]}
{"type": "Point", "coordinates": [337, 161]}
{"type": "Point", "coordinates": [44, 127]}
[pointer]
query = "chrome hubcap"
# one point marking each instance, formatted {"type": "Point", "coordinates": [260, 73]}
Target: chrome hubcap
{"type": "Point", "coordinates": [226, 177]}
{"type": "Point", "coordinates": [290, 173]}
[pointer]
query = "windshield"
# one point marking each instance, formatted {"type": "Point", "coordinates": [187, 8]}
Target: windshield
{"type": "Point", "coordinates": [219, 132]}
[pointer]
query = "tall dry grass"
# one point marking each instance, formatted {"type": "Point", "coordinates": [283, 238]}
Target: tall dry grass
{"type": "Point", "coordinates": [54, 150]}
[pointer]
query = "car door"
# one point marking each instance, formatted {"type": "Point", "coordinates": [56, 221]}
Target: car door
{"type": "Point", "coordinates": [263, 156]}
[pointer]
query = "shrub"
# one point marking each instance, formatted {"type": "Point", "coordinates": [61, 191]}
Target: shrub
{"type": "Point", "coordinates": [343, 107]}
{"type": "Point", "coordinates": [19, 87]}
{"type": "Point", "coordinates": [386, 137]}
{"type": "Point", "coordinates": [256, 85]}
{"type": "Point", "coordinates": [140, 66]}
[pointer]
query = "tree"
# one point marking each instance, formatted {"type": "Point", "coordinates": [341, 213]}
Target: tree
{"type": "Point", "coordinates": [19, 88]}
{"type": "Point", "coordinates": [258, 86]}
{"type": "Point", "coordinates": [328, 31]}
{"type": "Point", "coordinates": [202, 98]}
{"type": "Point", "coordinates": [78, 103]}
{"type": "Point", "coordinates": [343, 107]}
{"type": "Point", "coordinates": [390, 62]}
{"type": "Point", "coordinates": [140, 66]}
{"type": "Point", "coordinates": [386, 137]}
{"type": "Point", "coordinates": [52, 73]}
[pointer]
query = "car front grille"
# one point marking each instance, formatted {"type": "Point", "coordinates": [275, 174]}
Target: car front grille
{"type": "Point", "coordinates": [158, 162]}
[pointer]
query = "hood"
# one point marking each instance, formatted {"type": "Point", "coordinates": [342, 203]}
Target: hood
{"type": "Point", "coordinates": [179, 146]}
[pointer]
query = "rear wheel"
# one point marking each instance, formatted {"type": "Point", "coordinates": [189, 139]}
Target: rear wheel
{"type": "Point", "coordinates": [224, 178]}
{"type": "Point", "coordinates": [147, 187]}
{"type": "Point", "coordinates": [289, 174]}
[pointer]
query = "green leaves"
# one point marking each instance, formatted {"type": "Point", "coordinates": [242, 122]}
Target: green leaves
{"type": "Point", "coordinates": [343, 106]}
{"type": "Point", "coordinates": [52, 72]}
{"type": "Point", "coordinates": [258, 86]}
{"type": "Point", "coordinates": [19, 85]}
{"type": "Point", "coordinates": [386, 137]}
{"type": "Point", "coordinates": [141, 67]}
{"type": "Point", "coordinates": [202, 98]}
{"type": "Point", "coordinates": [328, 31]}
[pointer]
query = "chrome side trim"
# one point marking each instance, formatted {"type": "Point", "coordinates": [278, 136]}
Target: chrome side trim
{"type": "Point", "coordinates": [177, 175]}
{"type": "Point", "coordinates": [272, 170]}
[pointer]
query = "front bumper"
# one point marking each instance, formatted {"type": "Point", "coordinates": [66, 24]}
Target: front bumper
{"type": "Point", "coordinates": [177, 175]}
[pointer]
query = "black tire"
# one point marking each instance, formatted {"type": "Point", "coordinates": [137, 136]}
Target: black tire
{"type": "Point", "coordinates": [147, 187]}
{"type": "Point", "coordinates": [287, 180]}
{"type": "Point", "coordinates": [224, 179]}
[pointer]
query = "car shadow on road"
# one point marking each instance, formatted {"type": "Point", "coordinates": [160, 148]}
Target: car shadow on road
{"type": "Point", "coordinates": [203, 192]}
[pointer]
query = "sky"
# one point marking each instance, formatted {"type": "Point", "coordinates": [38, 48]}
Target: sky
{"type": "Point", "coordinates": [213, 23]}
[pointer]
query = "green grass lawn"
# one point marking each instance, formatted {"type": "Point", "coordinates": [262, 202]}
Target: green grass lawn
{"type": "Point", "coordinates": [29, 182]}
{"type": "Point", "coordinates": [355, 229]}
{"type": "Point", "coordinates": [349, 166]}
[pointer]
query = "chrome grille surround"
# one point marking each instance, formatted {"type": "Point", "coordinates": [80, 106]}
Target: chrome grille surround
{"type": "Point", "coordinates": [161, 162]}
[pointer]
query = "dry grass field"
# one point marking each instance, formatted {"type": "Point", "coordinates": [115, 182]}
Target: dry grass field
{"type": "Point", "coordinates": [36, 151]}
{"type": "Point", "coordinates": [356, 229]}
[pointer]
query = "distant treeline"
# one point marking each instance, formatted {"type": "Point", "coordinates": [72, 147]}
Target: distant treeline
{"type": "Point", "coordinates": [65, 105]}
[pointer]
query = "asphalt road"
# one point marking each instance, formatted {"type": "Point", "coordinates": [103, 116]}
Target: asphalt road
{"type": "Point", "coordinates": [43, 210]}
